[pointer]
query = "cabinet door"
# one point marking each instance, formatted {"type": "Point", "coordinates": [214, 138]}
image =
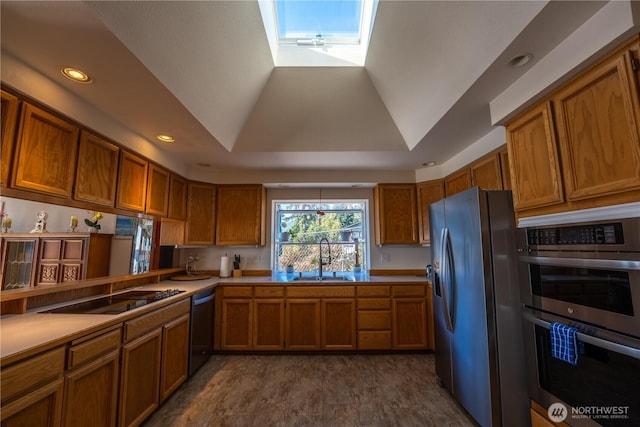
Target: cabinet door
{"type": "Point", "coordinates": [157, 191]}
{"type": "Point", "coordinates": [504, 169]}
{"type": "Point", "coordinates": [237, 317]}
{"type": "Point", "coordinates": [533, 160]}
{"type": "Point", "coordinates": [97, 260]}
{"type": "Point", "coordinates": [303, 324]}
{"type": "Point", "coordinates": [486, 173]}
{"type": "Point", "coordinates": [201, 217]}
{"type": "Point", "coordinates": [42, 407]}
{"type": "Point", "coordinates": [9, 114]}
{"type": "Point", "coordinates": [409, 323]}
{"type": "Point", "coordinates": [91, 393]}
{"type": "Point", "coordinates": [97, 170]}
{"type": "Point", "coordinates": [268, 324]}
{"type": "Point", "coordinates": [598, 131]}
{"type": "Point", "coordinates": [338, 330]}
{"type": "Point", "coordinates": [177, 198]}
{"type": "Point", "coordinates": [140, 379]}
{"type": "Point", "coordinates": [46, 153]}
{"type": "Point", "coordinates": [396, 214]}
{"type": "Point", "coordinates": [132, 182]}
{"type": "Point", "coordinates": [19, 260]}
{"type": "Point", "coordinates": [457, 182]}
{"type": "Point", "coordinates": [428, 193]}
{"type": "Point", "coordinates": [175, 355]}
{"type": "Point", "coordinates": [240, 215]}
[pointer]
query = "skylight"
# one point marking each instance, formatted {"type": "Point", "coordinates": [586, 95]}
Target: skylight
{"type": "Point", "coordinates": [318, 32]}
{"type": "Point", "coordinates": [328, 21]}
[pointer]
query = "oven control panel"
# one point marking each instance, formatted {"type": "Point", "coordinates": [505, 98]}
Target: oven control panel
{"type": "Point", "coordinates": [590, 234]}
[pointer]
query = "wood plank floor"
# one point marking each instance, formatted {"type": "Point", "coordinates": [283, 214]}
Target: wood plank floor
{"type": "Point", "coordinates": [312, 390]}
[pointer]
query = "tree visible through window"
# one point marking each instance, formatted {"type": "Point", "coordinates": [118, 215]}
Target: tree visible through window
{"type": "Point", "coordinates": [299, 226]}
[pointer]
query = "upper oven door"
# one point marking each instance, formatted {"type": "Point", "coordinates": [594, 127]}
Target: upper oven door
{"type": "Point", "coordinates": [603, 292]}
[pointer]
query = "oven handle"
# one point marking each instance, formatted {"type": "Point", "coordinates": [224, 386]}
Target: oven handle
{"type": "Point", "coordinates": [609, 345]}
{"type": "Point", "coordinates": [582, 262]}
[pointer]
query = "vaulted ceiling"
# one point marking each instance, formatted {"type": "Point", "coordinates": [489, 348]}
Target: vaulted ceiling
{"type": "Point", "coordinates": [202, 71]}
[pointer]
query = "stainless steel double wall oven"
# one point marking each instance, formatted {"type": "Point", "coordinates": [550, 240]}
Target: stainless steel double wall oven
{"type": "Point", "coordinates": [587, 276]}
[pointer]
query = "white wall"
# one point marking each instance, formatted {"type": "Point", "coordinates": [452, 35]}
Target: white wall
{"type": "Point", "coordinates": [259, 258]}
{"type": "Point", "coordinates": [23, 215]}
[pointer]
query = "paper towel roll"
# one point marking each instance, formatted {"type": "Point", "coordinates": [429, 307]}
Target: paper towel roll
{"type": "Point", "coordinates": [225, 267]}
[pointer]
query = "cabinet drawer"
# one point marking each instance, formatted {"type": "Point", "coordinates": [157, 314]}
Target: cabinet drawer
{"type": "Point", "coordinates": [378, 340]}
{"type": "Point", "coordinates": [28, 374]}
{"type": "Point", "coordinates": [78, 354]}
{"type": "Point", "coordinates": [237, 291]}
{"type": "Point", "coordinates": [374, 303]}
{"type": "Point", "coordinates": [138, 326]}
{"type": "Point", "coordinates": [320, 291]}
{"type": "Point", "coordinates": [374, 320]}
{"type": "Point", "coordinates": [408, 291]}
{"type": "Point", "coordinates": [269, 291]}
{"type": "Point", "coordinates": [373, 291]}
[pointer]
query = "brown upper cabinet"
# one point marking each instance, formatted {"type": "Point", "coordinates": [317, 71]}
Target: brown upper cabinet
{"type": "Point", "coordinates": [598, 130]}
{"type": "Point", "coordinates": [177, 198]}
{"type": "Point", "coordinates": [97, 170]}
{"type": "Point", "coordinates": [132, 182]}
{"type": "Point", "coordinates": [485, 173]}
{"type": "Point", "coordinates": [579, 147]}
{"type": "Point", "coordinates": [157, 191]}
{"type": "Point", "coordinates": [9, 111]}
{"type": "Point", "coordinates": [504, 168]}
{"type": "Point", "coordinates": [457, 182]}
{"type": "Point", "coordinates": [396, 214]}
{"type": "Point", "coordinates": [533, 159]}
{"type": "Point", "coordinates": [46, 148]}
{"type": "Point", "coordinates": [201, 214]}
{"type": "Point", "coordinates": [428, 193]}
{"type": "Point", "coordinates": [241, 213]}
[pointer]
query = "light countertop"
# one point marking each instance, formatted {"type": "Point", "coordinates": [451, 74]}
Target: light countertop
{"type": "Point", "coordinates": [20, 334]}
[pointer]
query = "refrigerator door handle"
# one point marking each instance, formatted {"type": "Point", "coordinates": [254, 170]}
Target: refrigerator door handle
{"type": "Point", "coordinates": [445, 258]}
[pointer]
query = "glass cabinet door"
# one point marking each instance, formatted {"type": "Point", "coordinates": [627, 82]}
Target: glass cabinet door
{"type": "Point", "coordinates": [18, 261]}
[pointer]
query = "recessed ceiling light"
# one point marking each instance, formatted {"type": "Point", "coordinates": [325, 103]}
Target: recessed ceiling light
{"type": "Point", "coordinates": [520, 60]}
{"type": "Point", "coordinates": [76, 75]}
{"type": "Point", "coordinates": [429, 164]}
{"type": "Point", "coordinates": [166, 138]}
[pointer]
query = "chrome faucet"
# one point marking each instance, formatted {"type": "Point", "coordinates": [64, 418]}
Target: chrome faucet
{"type": "Point", "coordinates": [322, 260]}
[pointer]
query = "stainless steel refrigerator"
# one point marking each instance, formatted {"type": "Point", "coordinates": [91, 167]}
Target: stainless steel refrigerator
{"type": "Point", "coordinates": [478, 328]}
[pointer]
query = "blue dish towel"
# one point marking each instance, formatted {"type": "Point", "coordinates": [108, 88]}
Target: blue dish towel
{"type": "Point", "coordinates": [564, 343]}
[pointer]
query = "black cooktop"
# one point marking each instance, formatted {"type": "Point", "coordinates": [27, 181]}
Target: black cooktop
{"type": "Point", "coordinates": [116, 304]}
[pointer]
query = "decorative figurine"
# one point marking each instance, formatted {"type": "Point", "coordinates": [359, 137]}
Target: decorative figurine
{"type": "Point", "coordinates": [73, 223]}
{"type": "Point", "coordinates": [41, 223]}
{"type": "Point", "coordinates": [6, 223]}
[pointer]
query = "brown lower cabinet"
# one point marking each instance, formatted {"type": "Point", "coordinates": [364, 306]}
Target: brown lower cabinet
{"type": "Point", "coordinates": [154, 360]}
{"type": "Point", "coordinates": [115, 376]}
{"type": "Point", "coordinates": [139, 395]}
{"type": "Point", "coordinates": [91, 383]}
{"type": "Point", "coordinates": [321, 318]}
{"type": "Point", "coordinates": [31, 390]}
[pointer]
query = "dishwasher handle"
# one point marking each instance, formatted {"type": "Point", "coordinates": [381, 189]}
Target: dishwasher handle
{"type": "Point", "coordinates": [204, 299]}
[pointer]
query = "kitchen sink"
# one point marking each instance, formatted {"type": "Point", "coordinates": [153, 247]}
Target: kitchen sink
{"type": "Point", "coordinates": [323, 279]}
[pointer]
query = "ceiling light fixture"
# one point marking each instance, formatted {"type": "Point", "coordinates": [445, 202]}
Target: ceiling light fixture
{"type": "Point", "coordinates": [520, 60]}
{"type": "Point", "coordinates": [429, 164]}
{"type": "Point", "coordinates": [166, 138]}
{"type": "Point", "coordinates": [76, 75]}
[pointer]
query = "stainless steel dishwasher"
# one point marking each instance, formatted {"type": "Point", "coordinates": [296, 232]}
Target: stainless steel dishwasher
{"type": "Point", "coordinates": [201, 342]}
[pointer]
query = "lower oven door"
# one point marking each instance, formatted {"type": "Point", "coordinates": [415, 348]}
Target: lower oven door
{"type": "Point", "coordinates": [602, 389]}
